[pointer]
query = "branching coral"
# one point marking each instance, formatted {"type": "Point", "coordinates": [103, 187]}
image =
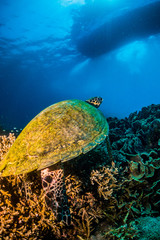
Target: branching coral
{"type": "Point", "coordinates": [22, 218]}
{"type": "Point", "coordinates": [85, 209]}
{"type": "Point", "coordinates": [114, 195]}
{"type": "Point", "coordinates": [120, 198]}
{"type": "Point", "coordinates": [105, 178]}
{"type": "Point", "coordinates": [127, 231]}
{"type": "Point", "coordinates": [5, 143]}
{"type": "Point", "coordinates": [26, 215]}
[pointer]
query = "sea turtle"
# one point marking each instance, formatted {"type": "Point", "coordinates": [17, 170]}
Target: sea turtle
{"type": "Point", "coordinates": [59, 133]}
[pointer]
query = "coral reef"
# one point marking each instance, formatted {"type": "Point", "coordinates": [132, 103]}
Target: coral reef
{"type": "Point", "coordinates": [24, 214]}
{"type": "Point", "coordinates": [5, 143]}
{"type": "Point", "coordinates": [148, 228]}
{"type": "Point", "coordinates": [106, 180]}
{"type": "Point", "coordinates": [140, 132]}
{"type": "Point", "coordinates": [108, 200]}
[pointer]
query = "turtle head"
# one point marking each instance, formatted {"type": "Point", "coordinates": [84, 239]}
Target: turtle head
{"type": "Point", "coordinates": [95, 101]}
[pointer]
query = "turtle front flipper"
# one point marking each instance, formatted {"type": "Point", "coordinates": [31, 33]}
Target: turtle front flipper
{"type": "Point", "coordinates": [55, 193]}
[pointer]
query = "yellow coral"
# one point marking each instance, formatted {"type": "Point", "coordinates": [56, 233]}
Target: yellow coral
{"type": "Point", "coordinates": [125, 199]}
{"type": "Point", "coordinates": [5, 143]}
{"type": "Point", "coordinates": [105, 178]}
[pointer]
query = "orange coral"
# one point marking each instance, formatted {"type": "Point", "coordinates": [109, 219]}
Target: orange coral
{"type": "Point", "coordinates": [122, 196]}
{"type": "Point", "coordinates": [105, 178]}
{"type": "Point", "coordinates": [5, 143]}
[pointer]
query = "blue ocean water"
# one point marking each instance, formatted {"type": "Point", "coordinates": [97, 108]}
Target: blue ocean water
{"type": "Point", "coordinates": [41, 63]}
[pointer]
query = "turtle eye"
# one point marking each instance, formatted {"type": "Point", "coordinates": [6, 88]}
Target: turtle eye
{"type": "Point", "coordinates": [99, 100]}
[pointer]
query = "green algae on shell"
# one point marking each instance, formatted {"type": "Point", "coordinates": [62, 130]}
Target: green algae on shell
{"type": "Point", "coordinates": [59, 133]}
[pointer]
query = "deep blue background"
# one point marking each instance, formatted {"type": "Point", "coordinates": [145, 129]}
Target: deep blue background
{"type": "Point", "coordinates": [39, 63]}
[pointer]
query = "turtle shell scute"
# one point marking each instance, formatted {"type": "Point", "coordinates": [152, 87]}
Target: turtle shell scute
{"type": "Point", "coordinates": [59, 133]}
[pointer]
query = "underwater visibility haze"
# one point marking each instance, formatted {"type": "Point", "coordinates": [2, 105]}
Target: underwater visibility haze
{"type": "Point", "coordinates": [43, 58]}
{"type": "Point", "coordinates": [83, 76]}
